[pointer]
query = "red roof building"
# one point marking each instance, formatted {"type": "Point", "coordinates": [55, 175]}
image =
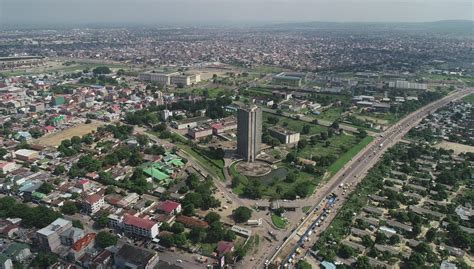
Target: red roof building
{"type": "Point", "coordinates": [84, 242]}
{"type": "Point", "coordinates": [93, 203]}
{"type": "Point", "coordinates": [169, 207]}
{"type": "Point", "coordinates": [140, 226]}
{"type": "Point", "coordinates": [49, 129]}
{"type": "Point", "coordinates": [224, 247]}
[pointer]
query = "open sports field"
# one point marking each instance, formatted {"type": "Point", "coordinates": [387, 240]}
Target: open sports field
{"type": "Point", "coordinates": [54, 139]}
{"type": "Point", "coordinates": [456, 147]}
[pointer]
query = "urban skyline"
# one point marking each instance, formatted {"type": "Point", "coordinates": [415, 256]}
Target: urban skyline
{"type": "Point", "coordinates": [224, 134]}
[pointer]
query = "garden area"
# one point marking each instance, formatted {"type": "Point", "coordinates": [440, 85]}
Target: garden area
{"type": "Point", "coordinates": [284, 182]}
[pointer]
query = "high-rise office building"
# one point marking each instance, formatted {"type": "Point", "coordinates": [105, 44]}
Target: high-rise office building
{"type": "Point", "coordinates": [249, 132]}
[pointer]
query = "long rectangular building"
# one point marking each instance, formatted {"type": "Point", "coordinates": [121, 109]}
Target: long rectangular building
{"type": "Point", "coordinates": [175, 78]}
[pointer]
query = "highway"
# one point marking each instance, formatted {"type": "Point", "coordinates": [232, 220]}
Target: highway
{"type": "Point", "coordinates": [351, 175]}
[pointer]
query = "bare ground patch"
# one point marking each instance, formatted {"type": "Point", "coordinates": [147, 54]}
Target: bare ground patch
{"type": "Point", "coordinates": [54, 139]}
{"type": "Point", "coordinates": [456, 147]}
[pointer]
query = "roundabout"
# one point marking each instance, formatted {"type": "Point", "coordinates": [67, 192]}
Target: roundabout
{"type": "Point", "coordinates": [253, 169]}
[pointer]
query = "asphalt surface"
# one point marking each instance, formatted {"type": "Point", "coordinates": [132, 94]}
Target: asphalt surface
{"type": "Point", "coordinates": [353, 173]}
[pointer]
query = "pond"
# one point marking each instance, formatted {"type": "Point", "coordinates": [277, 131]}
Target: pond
{"type": "Point", "coordinates": [277, 174]}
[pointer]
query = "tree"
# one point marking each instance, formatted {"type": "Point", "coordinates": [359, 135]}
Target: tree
{"type": "Point", "coordinates": [179, 239]}
{"type": "Point", "coordinates": [45, 188]}
{"type": "Point", "coordinates": [177, 228]}
{"type": "Point", "coordinates": [106, 239]}
{"type": "Point", "coordinates": [363, 263]}
{"type": "Point", "coordinates": [229, 236]}
{"type": "Point", "coordinates": [395, 239]}
{"type": "Point", "coordinates": [215, 233]}
{"type": "Point", "coordinates": [167, 241]}
{"type": "Point", "coordinates": [367, 241]}
{"type": "Point", "coordinates": [69, 208]}
{"type": "Point", "coordinates": [212, 217]}
{"type": "Point", "coordinates": [34, 168]}
{"type": "Point", "coordinates": [361, 133]}
{"type": "Point", "coordinates": [78, 224]}
{"type": "Point", "coordinates": [431, 234]}
{"type": "Point", "coordinates": [302, 264]}
{"type": "Point", "coordinates": [58, 170]}
{"type": "Point", "coordinates": [279, 211]}
{"type": "Point", "coordinates": [44, 260]}
{"type": "Point", "coordinates": [197, 235]}
{"type": "Point", "coordinates": [290, 157]}
{"type": "Point", "coordinates": [101, 70]}
{"type": "Point", "coordinates": [302, 143]}
{"type": "Point", "coordinates": [188, 210]}
{"type": "Point", "coordinates": [103, 220]}
{"type": "Point", "coordinates": [290, 177]}
{"type": "Point", "coordinates": [242, 214]}
{"type": "Point", "coordinates": [345, 251]}
{"type": "Point", "coordinates": [306, 129]}
{"type": "Point", "coordinates": [110, 189]}
{"type": "Point", "coordinates": [272, 120]}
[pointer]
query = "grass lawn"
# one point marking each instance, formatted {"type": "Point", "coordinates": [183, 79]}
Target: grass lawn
{"type": "Point", "coordinates": [330, 114]}
{"type": "Point", "coordinates": [252, 92]}
{"type": "Point", "coordinates": [61, 68]}
{"type": "Point", "coordinates": [469, 98]}
{"type": "Point", "coordinates": [339, 144]}
{"type": "Point", "coordinates": [306, 209]}
{"type": "Point", "coordinates": [274, 185]}
{"type": "Point", "coordinates": [208, 248]}
{"type": "Point", "coordinates": [212, 166]}
{"type": "Point", "coordinates": [293, 124]}
{"type": "Point", "coordinates": [212, 93]}
{"type": "Point", "coordinates": [266, 69]}
{"type": "Point", "coordinates": [346, 157]}
{"type": "Point", "coordinates": [279, 222]}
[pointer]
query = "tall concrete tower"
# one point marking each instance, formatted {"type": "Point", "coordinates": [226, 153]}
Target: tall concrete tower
{"type": "Point", "coordinates": [249, 132]}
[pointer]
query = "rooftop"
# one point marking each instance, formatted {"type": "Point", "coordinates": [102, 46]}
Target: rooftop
{"type": "Point", "coordinates": [138, 222]}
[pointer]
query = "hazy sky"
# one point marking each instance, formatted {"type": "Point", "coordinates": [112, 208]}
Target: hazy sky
{"type": "Point", "coordinates": [189, 11]}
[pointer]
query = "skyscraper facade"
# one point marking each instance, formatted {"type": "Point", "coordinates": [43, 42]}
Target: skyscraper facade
{"type": "Point", "coordinates": [249, 132]}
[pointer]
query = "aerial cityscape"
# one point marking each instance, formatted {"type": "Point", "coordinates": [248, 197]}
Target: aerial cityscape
{"type": "Point", "coordinates": [192, 140]}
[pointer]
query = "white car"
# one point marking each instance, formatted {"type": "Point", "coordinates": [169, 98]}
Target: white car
{"type": "Point", "coordinates": [180, 261]}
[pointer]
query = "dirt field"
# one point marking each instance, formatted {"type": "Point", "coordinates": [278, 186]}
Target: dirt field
{"type": "Point", "coordinates": [54, 139]}
{"type": "Point", "coordinates": [456, 147]}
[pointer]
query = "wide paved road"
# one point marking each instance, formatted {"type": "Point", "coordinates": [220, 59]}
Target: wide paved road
{"type": "Point", "coordinates": [355, 171]}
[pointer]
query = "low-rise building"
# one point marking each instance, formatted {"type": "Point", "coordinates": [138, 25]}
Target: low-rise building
{"type": "Point", "coordinates": [26, 155]}
{"type": "Point", "coordinates": [7, 167]}
{"type": "Point", "coordinates": [169, 207]}
{"type": "Point", "coordinates": [187, 123]}
{"type": "Point", "coordinates": [292, 79]}
{"type": "Point", "coordinates": [200, 132]}
{"type": "Point", "coordinates": [285, 136]}
{"type": "Point", "coordinates": [129, 256]}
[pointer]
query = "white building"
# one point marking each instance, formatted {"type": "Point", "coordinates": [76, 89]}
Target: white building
{"type": "Point", "coordinates": [134, 225]}
{"type": "Point", "coordinates": [174, 78]}
{"type": "Point", "coordinates": [93, 203]}
{"type": "Point", "coordinates": [285, 136]}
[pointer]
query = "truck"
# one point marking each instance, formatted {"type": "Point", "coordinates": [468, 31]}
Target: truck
{"type": "Point", "coordinates": [254, 222]}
